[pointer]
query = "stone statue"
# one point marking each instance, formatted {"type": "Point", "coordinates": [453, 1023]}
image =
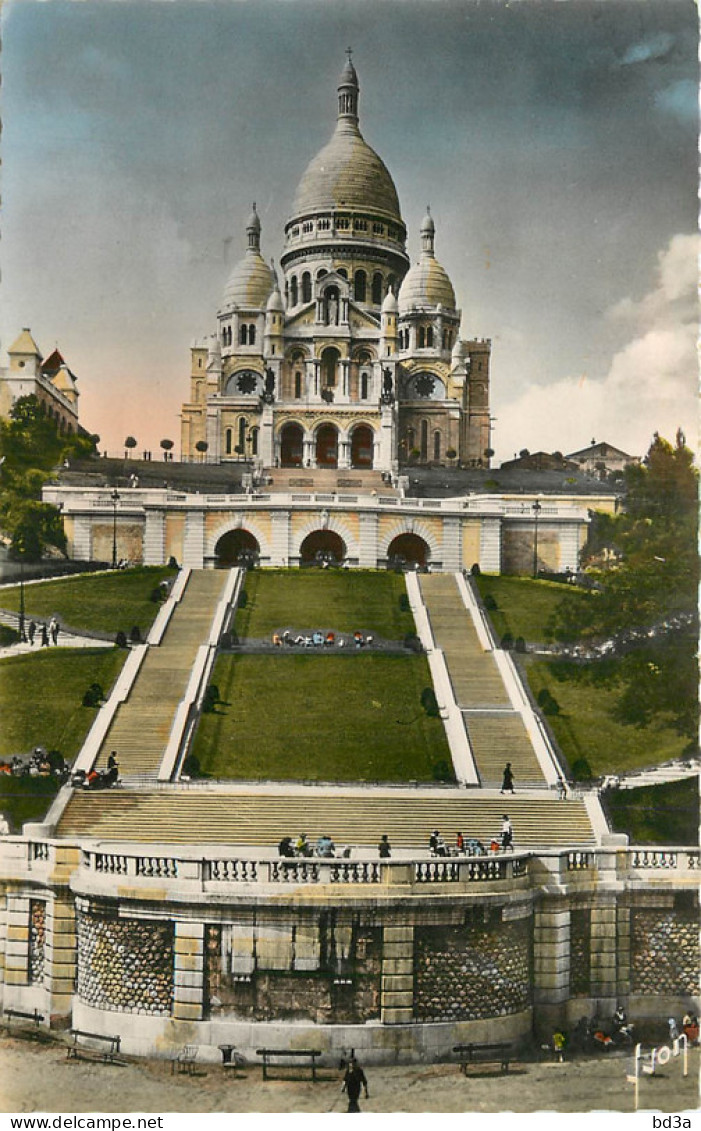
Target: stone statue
{"type": "Point", "coordinates": [387, 383]}
{"type": "Point", "coordinates": [269, 388]}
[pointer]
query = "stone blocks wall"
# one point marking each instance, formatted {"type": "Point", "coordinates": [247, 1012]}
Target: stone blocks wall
{"type": "Point", "coordinates": [665, 955]}
{"type": "Point", "coordinates": [472, 972]}
{"type": "Point", "coordinates": [580, 952]}
{"type": "Point", "coordinates": [37, 939]}
{"type": "Point", "coordinates": [125, 964]}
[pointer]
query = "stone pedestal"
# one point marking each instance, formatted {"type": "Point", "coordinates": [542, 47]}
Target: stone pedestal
{"type": "Point", "coordinates": [188, 972]}
{"type": "Point", "coordinates": [603, 956]}
{"type": "Point", "coordinates": [551, 962]}
{"type": "Point", "coordinates": [397, 1005]}
{"type": "Point", "coordinates": [60, 959]}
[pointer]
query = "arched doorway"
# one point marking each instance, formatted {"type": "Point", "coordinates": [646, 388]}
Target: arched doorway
{"type": "Point", "coordinates": [408, 549]}
{"type": "Point", "coordinates": [362, 440]}
{"type": "Point", "coordinates": [237, 547]}
{"type": "Point", "coordinates": [327, 446]}
{"type": "Point", "coordinates": [322, 547]}
{"type": "Point", "coordinates": [291, 445]}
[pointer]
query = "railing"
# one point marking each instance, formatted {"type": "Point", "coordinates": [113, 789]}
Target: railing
{"type": "Point", "coordinates": [579, 861]}
{"type": "Point", "coordinates": [664, 859]}
{"type": "Point", "coordinates": [473, 870]}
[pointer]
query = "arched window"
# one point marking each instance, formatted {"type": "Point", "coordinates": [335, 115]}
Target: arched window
{"type": "Point", "coordinates": [306, 287]}
{"type": "Point", "coordinates": [298, 386]}
{"type": "Point", "coordinates": [424, 439]}
{"type": "Point", "coordinates": [363, 386]}
{"type": "Point", "coordinates": [251, 335]}
{"type": "Point", "coordinates": [242, 435]}
{"type": "Point", "coordinates": [293, 290]}
{"type": "Point", "coordinates": [254, 441]}
{"type": "Point", "coordinates": [422, 337]}
{"type": "Point", "coordinates": [243, 334]}
{"type": "Point", "coordinates": [429, 336]}
{"type": "Point", "coordinates": [329, 361]}
{"type": "Point", "coordinates": [343, 273]}
{"type": "Point", "coordinates": [436, 445]}
{"type": "Point", "coordinates": [377, 288]}
{"type": "Point", "coordinates": [321, 272]}
{"type": "Point", "coordinates": [361, 281]}
{"type": "Point", "coordinates": [228, 441]}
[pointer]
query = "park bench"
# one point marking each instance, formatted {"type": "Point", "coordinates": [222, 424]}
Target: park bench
{"type": "Point", "coordinates": [498, 1053]}
{"type": "Point", "coordinates": [278, 1054]}
{"type": "Point", "coordinates": [107, 1048]}
{"type": "Point", "coordinates": [21, 1023]}
{"type": "Point", "coordinates": [185, 1060]}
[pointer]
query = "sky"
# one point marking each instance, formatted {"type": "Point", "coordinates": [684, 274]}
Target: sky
{"type": "Point", "coordinates": [555, 141]}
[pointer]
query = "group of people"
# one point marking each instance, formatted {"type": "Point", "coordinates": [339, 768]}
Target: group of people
{"type": "Point", "coordinates": [319, 639]}
{"type": "Point", "coordinates": [325, 849]}
{"type": "Point", "coordinates": [46, 633]}
{"type": "Point", "coordinates": [98, 779]}
{"type": "Point", "coordinates": [472, 846]}
{"type": "Point", "coordinates": [40, 763]}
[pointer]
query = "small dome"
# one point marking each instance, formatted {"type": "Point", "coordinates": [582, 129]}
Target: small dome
{"type": "Point", "coordinates": [250, 282]}
{"type": "Point", "coordinates": [426, 284]}
{"type": "Point", "coordinates": [253, 222]}
{"type": "Point", "coordinates": [348, 74]}
{"type": "Point", "coordinates": [275, 303]}
{"type": "Point", "coordinates": [389, 306]}
{"type": "Point", "coordinates": [427, 224]}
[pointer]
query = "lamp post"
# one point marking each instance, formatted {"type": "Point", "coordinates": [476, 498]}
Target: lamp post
{"type": "Point", "coordinates": [115, 499]}
{"type": "Point", "coordinates": [22, 633]}
{"type": "Point", "coordinates": [537, 508]}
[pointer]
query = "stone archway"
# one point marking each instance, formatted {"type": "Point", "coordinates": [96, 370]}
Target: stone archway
{"type": "Point", "coordinates": [322, 546]}
{"type": "Point", "coordinates": [327, 446]}
{"type": "Point", "coordinates": [291, 445]}
{"type": "Point", "coordinates": [408, 549]}
{"type": "Point", "coordinates": [362, 444]}
{"type": "Point", "coordinates": [237, 547]}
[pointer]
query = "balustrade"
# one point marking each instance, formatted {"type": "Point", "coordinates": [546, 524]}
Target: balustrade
{"type": "Point", "coordinates": [579, 861]}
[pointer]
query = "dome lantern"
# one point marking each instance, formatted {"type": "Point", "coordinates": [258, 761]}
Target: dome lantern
{"type": "Point", "coordinates": [348, 90]}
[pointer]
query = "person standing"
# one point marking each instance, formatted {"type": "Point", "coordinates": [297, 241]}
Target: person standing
{"type": "Point", "coordinates": [459, 842]}
{"type": "Point", "coordinates": [31, 630]}
{"type": "Point", "coordinates": [44, 636]}
{"type": "Point", "coordinates": [353, 1081]}
{"type": "Point", "coordinates": [507, 833]}
{"type": "Point", "coordinates": [53, 629]}
{"type": "Point", "coordinates": [507, 785]}
{"type": "Point", "coordinates": [384, 847]}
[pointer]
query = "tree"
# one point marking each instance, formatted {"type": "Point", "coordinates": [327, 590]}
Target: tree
{"type": "Point", "coordinates": [167, 446]}
{"type": "Point", "coordinates": [129, 444]}
{"type": "Point", "coordinates": [201, 446]}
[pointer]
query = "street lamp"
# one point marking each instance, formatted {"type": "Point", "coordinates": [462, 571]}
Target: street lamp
{"type": "Point", "coordinates": [115, 499]}
{"type": "Point", "coordinates": [22, 633]}
{"type": "Point", "coordinates": [537, 508]}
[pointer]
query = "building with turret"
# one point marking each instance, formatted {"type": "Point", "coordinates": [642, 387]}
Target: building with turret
{"type": "Point", "coordinates": [49, 380]}
{"type": "Point", "coordinates": [350, 357]}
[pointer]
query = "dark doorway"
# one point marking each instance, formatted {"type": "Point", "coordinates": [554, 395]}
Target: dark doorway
{"type": "Point", "coordinates": [327, 446]}
{"type": "Point", "coordinates": [322, 547]}
{"type": "Point", "coordinates": [408, 549]}
{"type": "Point", "coordinates": [291, 445]}
{"type": "Point", "coordinates": [362, 446]}
{"type": "Point", "coordinates": [237, 547]}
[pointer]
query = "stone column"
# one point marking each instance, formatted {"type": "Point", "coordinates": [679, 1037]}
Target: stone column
{"type": "Point", "coordinates": [344, 450]}
{"type": "Point", "coordinates": [17, 940]}
{"type": "Point", "coordinates": [603, 955]}
{"type": "Point", "coordinates": [309, 451]}
{"type": "Point", "coordinates": [60, 959]}
{"type": "Point", "coordinates": [397, 1006]}
{"type": "Point", "coordinates": [623, 950]}
{"type": "Point", "coordinates": [490, 545]}
{"type": "Point", "coordinates": [188, 972]}
{"type": "Point", "coordinates": [265, 437]}
{"type": "Point", "coordinates": [551, 962]}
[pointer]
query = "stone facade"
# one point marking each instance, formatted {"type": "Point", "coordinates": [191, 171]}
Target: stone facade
{"type": "Point", "coordinates": [125, 964]}
{"type": "Point", "coordinates": [665, 950]}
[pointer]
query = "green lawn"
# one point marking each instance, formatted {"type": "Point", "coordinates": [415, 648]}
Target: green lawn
{"type": "Point", "coordinates": [321, 717]}
{"type": "Point", "coordinates": [26, 799]}
{"type": "Point", "coordinates": [344, 600]}
{"type": "Point", "coordinates": [41, 696]}
{"type": "Point", "coordinates": [106, 603]}
{"type": "Point", "coordinates": [657, 814]}
{"type": "Point", "coordinates": [525, 606]}
{"type": "Point", "coordinates": [586, 726]}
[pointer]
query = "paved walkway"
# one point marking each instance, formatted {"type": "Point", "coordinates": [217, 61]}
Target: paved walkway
{"type": "Point", "coordinates": [65, 640]}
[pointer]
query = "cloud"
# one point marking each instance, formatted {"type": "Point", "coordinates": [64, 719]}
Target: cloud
{"type": "Point", "coordinates": [651, 384]}
{"type": "Point", "coordinates": [680, 100]}
{"type": "Point", "coordinates": [653, 47]}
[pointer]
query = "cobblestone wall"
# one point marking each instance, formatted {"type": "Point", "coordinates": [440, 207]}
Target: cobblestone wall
{"type": "Point", "coordinates": [125, 964]}
{"type": "Point", "coordinates": [37, 939]}
{"type": "Point", "coordinates": [665, 955]}
{"type": "Point", "coordinates": [472, 972]}
{"type": "Point", "coordinates": [580, 952]}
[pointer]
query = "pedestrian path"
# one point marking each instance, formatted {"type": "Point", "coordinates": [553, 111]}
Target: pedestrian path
{"type": "Point", "coordinates": [142, 724]}
{"type": "Point", "coordinates": [496, 731]}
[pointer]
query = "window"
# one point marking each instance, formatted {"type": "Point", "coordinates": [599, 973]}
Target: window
{"type": "Point", "coordinates": [436, 445]}
{"type": "Point", "coordinates": [306, 287]}
{"type": "Point", "coordinates": [361, 282]}
{"type": "Point", "coordinates": [307, 226]}
{"type": "Point", "coordinates": [363, 386]}
{"type": "Point", "coordinates": [295, 232]}
{"type": "Point", "coordinates": [342, 222]}
{"type": "Point", "coordinates": [377, 288]}
{"type": "Point", "coordinates": [360, 225]}
{"type": "Point", "coordinates": [199, 362]}
{"type": "Point", "coordinates": [254, 441]}
{"type": "Point", "coordinates": [323, 225]}
{"type": "Point", "coordinates": [378, 229]}
{"type": "Point", "coordinates": [422, 337]}
{"type": "Point", "coordinates": [298, 386]}
{"type": "Point", "coordinates": [251, 335]}
{"type": "Point", "coordinates": [293, 290]}
{"type": "Point", "coordinates": [242, 435]}
{"type": "Point", "coordinates": [424, 439]}
{"type": "Point", "coordinates": [429, 336]}
{"type": "Point", "coordinates": [343, 273]}
{"type": "Point", "coordinates": [228, 441]}
{"type": "Point", "coordinates": [243, 334]}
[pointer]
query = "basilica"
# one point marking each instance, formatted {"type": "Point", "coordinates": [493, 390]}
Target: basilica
{"type": "Point", "coordinates": [353, 359]}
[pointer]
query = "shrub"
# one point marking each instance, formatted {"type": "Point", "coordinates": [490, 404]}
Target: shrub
{"type": "Point", "coordinates": [547, 703]}
{"type": "Point", "coordinates": [121, 639]}
{"type": "Point", "coordinates": [412, 642]}
{"type": "Point", "coordinates": [191, 766]}
{"type": "Point", "coordinates": [475, 569]}
{"type": "Point", "coordinates": [172, 564]}
{"type": "Point", "coordinates": [135, 634]}
{"type": "Point", "coordinates": [243, 599]}
{"type": "Point", "coordinates": [93, 696]}
{"type": "Point", "coordinates": [429, 702]}
{"type": "Point", "coordinates": [581, 770]}
{"type": "Point", "coordinates": [404, 605]}
{"type": "Point", "coordinates": [211, 698]}
{"type": "Point", "coordinates": [157, 595]}
{"type": "Point", "coordinates": [520, 644]}
{"type": "Point", "coordinates": [442, 770]}
{"type": "Point", "coordinates": [451, 453]}
{"type": "Point", "coordinates": [507, 641]}
{"type": "Point", "coordinates": [490, 603]}
{"type": "Point", "coordinates": [225, 640]}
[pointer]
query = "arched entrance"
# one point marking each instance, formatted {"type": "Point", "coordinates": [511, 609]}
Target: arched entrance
{"type": "Point", "coordinates": [322, 547]}
{"type": "Point", "coordinates": [291, 445]}
{"type": "Point", "coordinates": [237, 547]}
{"type": "Point", "coordinates": [408, 549]}
{"type": "Point", "coordinates": [327, 446]}
{"type": "Point", "coordinates": [362, 440]}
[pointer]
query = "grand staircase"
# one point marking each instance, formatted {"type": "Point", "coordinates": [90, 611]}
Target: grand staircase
{"type": "Point", "coordinates": [496, 731]}
{"type": "Point", "coordinates": [244, 817]}
{"type": "Point", "coordinates": [141, 727]}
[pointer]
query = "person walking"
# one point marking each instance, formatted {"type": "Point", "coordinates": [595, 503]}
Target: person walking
{"type": "Point", "coordinates": [44, 636]}
{"type": "Point", "coordinates": [507, 833]}
{"type": "Point", "coordinates": [31, 631]}
{"type": "Point", "coordinates": [384, 847]}
{"type": "Point", "coordinates": [53, 629]}
{"type": "Point", "coordinates": [353, 1081]}
{"type": "Point", "coordinates": [507, 785]}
